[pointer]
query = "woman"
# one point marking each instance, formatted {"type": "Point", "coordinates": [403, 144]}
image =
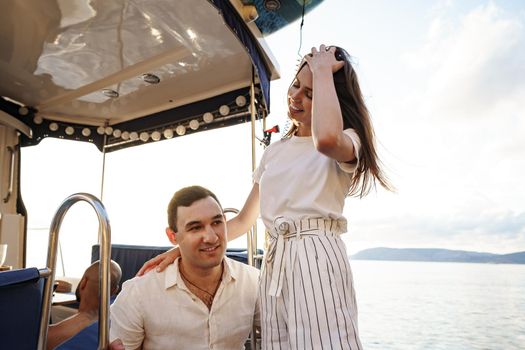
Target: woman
{"type": "Point", "coordinates": [307, 295]}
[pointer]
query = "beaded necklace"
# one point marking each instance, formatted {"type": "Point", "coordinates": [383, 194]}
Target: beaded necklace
{"type": "Point", "coordinates": [208, 297]}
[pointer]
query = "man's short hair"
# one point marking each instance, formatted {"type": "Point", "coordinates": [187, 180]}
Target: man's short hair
{"type": "Point", "coordinates": [186, 197]}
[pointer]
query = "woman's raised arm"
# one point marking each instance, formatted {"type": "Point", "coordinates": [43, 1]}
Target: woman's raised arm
{"type": "Point", "coordinates": [246, 218]}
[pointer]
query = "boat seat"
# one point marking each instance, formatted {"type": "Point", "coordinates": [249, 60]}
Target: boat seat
{"type": "Point", "coordinates": [21, 294]}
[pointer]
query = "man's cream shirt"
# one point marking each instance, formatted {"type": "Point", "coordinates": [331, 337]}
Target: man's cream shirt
{"type": "Point", "coordinates": [157, 311]}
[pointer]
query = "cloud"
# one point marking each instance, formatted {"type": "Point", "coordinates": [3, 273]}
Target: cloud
{"type": "Point", "coordinates": [431, 215]}
{"type": "Point", "coordinates": [476, 64]}
{"type": "Point", "coordinates": [497, 231]}
{"type": "Point", "coordinates": [460, 122]}
{"type": "Point", "coordinates": [466, 111]}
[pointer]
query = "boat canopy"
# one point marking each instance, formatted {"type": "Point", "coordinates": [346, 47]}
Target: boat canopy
{"type": "Point", "coordinates": [124, 73]}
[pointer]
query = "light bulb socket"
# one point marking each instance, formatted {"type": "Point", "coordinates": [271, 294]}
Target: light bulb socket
{"type": "Point", "coordinates": [150, 78]}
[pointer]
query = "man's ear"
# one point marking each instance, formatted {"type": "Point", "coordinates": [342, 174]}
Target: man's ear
{"type": "Point", "coordinates": [82, 284]}
{"type": "Point", "coordinates": [171, 236]}
{"type": "Point", "coordinates": [114, 290]}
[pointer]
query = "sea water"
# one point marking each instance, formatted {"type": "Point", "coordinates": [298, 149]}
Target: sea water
{"type": "Point", "coordinates": [452, 306]}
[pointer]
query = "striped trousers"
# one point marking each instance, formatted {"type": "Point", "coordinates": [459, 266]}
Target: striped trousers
{"type": "Point", "coordinates": [307, 295]}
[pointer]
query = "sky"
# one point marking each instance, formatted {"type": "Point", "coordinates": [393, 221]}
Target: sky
{"type": "Point", "coordinates": [445, 84]}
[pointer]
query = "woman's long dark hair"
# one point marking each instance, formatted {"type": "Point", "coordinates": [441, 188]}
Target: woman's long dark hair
{"type": "Point", "coordinates": [356, 116]}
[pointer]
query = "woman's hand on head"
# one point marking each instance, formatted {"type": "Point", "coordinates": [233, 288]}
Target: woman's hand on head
{"type": "Point", "coordinates": [160, 262]}
{"type": "Point", "coordinates": [324, 58]}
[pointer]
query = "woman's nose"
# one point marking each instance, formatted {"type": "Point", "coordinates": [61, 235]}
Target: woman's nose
{"type": "Point", "coordinates": [295, 95]}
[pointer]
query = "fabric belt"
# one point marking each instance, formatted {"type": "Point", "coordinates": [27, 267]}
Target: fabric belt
{"type": "Point", "coordinates": [285, 229]}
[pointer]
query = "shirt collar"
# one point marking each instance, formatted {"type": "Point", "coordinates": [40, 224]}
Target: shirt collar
{"type": "Point", "coordinates": [173, 277]}
{"type": "Point", "coordinates": [172, 274]}
{"type": "Point", "coordinates": [229, 273]}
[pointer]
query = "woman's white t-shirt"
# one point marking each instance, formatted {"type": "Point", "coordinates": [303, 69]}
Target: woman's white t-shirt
{"type": "Point", "coordinates": [297, 181]}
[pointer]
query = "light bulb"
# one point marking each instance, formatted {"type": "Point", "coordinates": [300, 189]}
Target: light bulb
{"type": "Point", "coordinates": [155, 136]}
{"type": "Point", "coordinates": [23, 110]}
{"type": "Point", "coordinates": [108, 130]}
{"type": "Point", "coordinates": [38, 120]}
{"type": "Point", "coordinates": [194, 124]}
{"type": "Point", "coordinates": [117, 133]}
{"type": "Point", "coordinates": [86, 132]}
{"type": "Point", "coordinates": [101, 130]}
{"type": "Point", "coordinates": [110, 93]}
{"type": "Point", "coordinates": [207, 117]}
{"type": "Point", "coordinates": [224, 110]}
{"type": "Point", "coordinates": [240, 101]}
{"type": "Point", "coordinates": [53, 126]}
{"type": "Point", "coordinates": [70, 130]}
{"type": "Point", "coordinates": [144, 136]}
{"type": "Point", "coordinates": [181, 130]}
{"type": "Point", "coordinates": [133, 136]}
{"type": "Point", "coordinates": [125, 135]}
{"type": "Point", "coordinates": [150, 78]}
{"type": "Point", "coordinates": [168, 133]}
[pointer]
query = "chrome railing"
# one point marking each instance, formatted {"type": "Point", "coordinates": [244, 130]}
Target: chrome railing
{"type": "Point", "coordinates": [251, 241]}
{"type": "Point", "coordinates": [252, 256]}
{"type": "Point", "coordinates": [104, 234]}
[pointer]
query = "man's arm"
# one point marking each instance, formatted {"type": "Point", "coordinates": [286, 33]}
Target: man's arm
{"type": "Point", "coordinates": [62, 331]}
{"type": "Point", "coordinates": [127, 323]}
{"type": "Point", "coordinates": [116, 345]}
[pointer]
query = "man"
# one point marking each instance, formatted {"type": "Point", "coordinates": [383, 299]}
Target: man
{"type": "Point", "coordinates": [202, 301]}
{"type": "Point", "coordinates": [87, 294]}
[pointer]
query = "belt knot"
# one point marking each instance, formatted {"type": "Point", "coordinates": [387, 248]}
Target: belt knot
{"type": "Point", "coordinates": [285, 228]}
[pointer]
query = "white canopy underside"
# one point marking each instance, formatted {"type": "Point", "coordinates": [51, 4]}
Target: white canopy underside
{"type": "Point", "coordinates": [59, 55]}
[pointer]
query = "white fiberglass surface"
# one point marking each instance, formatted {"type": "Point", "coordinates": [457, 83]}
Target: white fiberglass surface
{"type": "Point", "coordinates": [58, 55]}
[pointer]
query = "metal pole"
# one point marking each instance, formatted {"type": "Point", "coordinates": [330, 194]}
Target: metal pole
{"type": "Point", "coordinates": [251, 237]}
{"type": "Point", "coordinates": [105, 255]}
{"type": "Point", "coordinates": [103, 175]}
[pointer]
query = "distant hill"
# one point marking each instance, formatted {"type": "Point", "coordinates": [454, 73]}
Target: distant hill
{"type": "Point", "coordinates": [439, 255]}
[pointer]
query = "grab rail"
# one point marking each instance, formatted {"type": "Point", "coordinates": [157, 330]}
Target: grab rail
{"type": "Point", "coordinates": [104, 233]}
{"type": "Point", "coordinates": [250, 249]}
{"type": "Point", "coordinates": [251, 256]}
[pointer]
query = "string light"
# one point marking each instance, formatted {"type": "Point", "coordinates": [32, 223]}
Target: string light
{"type": "Point", "coordinates": [23, 110]}
{"type": "Point", "coordinates": [168, 133]}
{"type": "Point", "coordinates": [240, 101]}
{"type": "Point", "coordinates": [144, 136]}
{"type": "Point", "coordinates": [194, 124]}
{"type": "Point", "coordinates": [224, 110]}
{"type": "Point", "coordinates": [207, 117]}
{"type": "Point", "coordinates": [155, 136]}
